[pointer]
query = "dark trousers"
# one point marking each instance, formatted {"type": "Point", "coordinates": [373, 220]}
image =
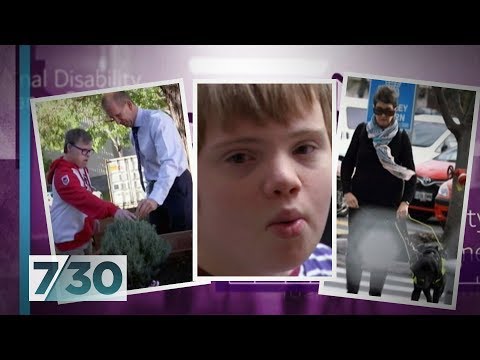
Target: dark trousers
{"type": "Point", "coordinates": [175, 214]}
{"type": "Point", "coordinates": [373, 244]}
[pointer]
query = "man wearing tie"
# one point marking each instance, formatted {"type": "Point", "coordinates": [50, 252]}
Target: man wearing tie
{"type": "Point", "coordinates": [160, 151]}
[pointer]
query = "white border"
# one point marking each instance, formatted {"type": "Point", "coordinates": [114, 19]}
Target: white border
{"type": "Point", "coordinates": [333, 84]}
{"type": "Point", "coordinates": [323, 290]}
{"type": "Point", "coordinates": [34, 101]}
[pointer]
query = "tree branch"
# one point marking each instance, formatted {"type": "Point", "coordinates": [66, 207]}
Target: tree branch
{"type": "Point", "coordinates": [468, 117]}
{"type": "Point", "coordinates": [114, 141]}
{"type": "Point", "coordinates": [442, 103]}
{"type": "Point", "coordinates": [458, 102]}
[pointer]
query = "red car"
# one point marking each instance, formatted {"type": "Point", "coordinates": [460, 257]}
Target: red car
{"type": "Point", "coordinates": [442, 200]}
{"type": "Point", "coordinates": [430, 176]}
{"type": "Point", "coordinates": [444, 195]}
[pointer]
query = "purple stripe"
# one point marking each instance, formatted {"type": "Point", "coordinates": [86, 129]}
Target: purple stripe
{"type": "Point", "coordinates": [9, 227]}
{"type": "Point", "coordinates": [313, 264]}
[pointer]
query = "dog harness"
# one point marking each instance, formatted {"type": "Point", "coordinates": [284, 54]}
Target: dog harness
{"type": "Point", "coordinates": [442, 272]}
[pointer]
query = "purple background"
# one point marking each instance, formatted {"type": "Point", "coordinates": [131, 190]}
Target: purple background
{"type": "Point", "coordinates": [9, 290]}
{"type": "Point", "coordinates": [449, 64]}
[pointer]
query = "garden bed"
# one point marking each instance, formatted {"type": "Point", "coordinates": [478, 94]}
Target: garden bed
{"type": "Point", "coordinates": [180, 241]}
{"type": "Point", "coordinates": [178, 266]}
{"type": "Point", "coordinates": [176, 269]}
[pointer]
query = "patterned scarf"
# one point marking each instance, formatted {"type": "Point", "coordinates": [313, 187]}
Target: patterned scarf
{"type": "Point", "coordinates": [381, 139]}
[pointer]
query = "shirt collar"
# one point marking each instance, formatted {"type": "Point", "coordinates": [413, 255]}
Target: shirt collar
{"type": "Point", "coordinates": [295, 272]}
{"type": "Point", "coordinates": [139, 119]}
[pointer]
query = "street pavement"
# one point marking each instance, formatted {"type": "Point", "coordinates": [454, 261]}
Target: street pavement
{"type": "Point", "coordinates": [398, 283]}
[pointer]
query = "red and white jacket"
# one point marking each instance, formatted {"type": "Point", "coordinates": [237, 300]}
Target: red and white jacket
{"type": "Point", "coordinates": [75, 208]}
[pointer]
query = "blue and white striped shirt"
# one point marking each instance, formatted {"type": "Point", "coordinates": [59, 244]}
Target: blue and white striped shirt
{"type": "Point", "coordinates": [319, 263]}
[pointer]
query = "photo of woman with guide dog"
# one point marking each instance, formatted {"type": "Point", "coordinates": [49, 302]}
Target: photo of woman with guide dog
{"type": "Point", "coordinates": [381, 155]}
{"type": "Point", "coordinates": [404, 161]}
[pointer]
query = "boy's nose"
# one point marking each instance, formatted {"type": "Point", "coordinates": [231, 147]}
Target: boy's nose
{"type": "Point", "coordinates": [281, 179]}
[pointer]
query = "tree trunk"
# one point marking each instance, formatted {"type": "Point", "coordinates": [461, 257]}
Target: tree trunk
{"type": "Point", "coordinates": [117, 147]}
{"type": "Point", "coordinates": [462, 133]}
{"type": "Point", "coordinates": [455, 208]}
{"type": "Point", "coordinates": [172, 94]}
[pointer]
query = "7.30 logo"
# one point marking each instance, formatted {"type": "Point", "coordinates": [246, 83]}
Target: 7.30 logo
{"type": "Point", "coordinates": [66, 278]}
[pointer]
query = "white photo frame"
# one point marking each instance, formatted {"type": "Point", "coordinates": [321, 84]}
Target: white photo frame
{"type": "Point", "coordinates": [38, 141]}
{"type": "Point", "coordinates": [399, 284]}
{"type": "Point", "coordinates": [261, 279]}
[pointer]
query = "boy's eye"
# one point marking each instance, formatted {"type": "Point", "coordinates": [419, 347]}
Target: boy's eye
{"type": "Point", "coordinates": [304, 149]}
{"type": "Point", "coordinates": [239, 158]}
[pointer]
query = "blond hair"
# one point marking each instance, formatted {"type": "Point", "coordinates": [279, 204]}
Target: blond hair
{"type": "Point", "coordinates": [259, 103]}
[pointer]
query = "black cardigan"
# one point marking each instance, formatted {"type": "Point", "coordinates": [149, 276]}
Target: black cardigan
{"type": "Point", "coordinates": [371, 183]}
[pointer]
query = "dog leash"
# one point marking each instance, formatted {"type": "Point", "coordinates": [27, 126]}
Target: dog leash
{"type": "Point", "coordinates": [409, 247]}
{"type": "Point", "coordinates": [430, 228]}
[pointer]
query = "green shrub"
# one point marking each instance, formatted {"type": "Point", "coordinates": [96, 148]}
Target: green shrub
{"type": "Point", "coordinates": [145, 250]}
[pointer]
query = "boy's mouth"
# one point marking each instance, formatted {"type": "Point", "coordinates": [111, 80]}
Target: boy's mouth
{"type": "Point", "coordinates": [287, 223]}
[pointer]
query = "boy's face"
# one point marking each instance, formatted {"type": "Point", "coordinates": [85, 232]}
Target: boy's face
{"type": "Point", "coordinates": [79, 153]}
{"type": "Point", "coordinates": [263, 195]}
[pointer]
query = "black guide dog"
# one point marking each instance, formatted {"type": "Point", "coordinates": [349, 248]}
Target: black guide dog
{"type": "Point", "coordinates": [427, 263]}
{"type": "Point", "coordinates": [428, 273]}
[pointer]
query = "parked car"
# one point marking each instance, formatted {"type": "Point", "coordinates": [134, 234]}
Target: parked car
{"type": "Point", "coordinates": [442, 200]}
{"type": "Point", "coordinates": [430, 176]}
{"type": "Point", "coordinates": [426, 110]}
{"type": "Point", "coordinates": [353, 111]}
{"type": "Point", "coordinates": [429, 138]}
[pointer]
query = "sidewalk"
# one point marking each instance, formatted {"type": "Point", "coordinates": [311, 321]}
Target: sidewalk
{"type": "Point", "coordinates": [397, 267]}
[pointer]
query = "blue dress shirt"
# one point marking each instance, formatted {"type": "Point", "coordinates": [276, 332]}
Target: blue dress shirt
{"type": "Point", "coordinates": [162, 153]}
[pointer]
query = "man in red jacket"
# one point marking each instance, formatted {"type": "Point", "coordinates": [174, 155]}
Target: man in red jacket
{"type": "Point", "coordinates": [75, 209]}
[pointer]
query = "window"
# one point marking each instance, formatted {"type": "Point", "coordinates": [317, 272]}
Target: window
{"type": "Point", "coordinates": [449, 155]}
{"type": "Point", "coordinates": [426, 133]}
{"type": "Point", "coordinates": [355, 116]}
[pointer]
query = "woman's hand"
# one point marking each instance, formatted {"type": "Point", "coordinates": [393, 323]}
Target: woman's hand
{"type": "Point", "coordinates": [350, 200]}
{"type": "Point", "coordinates": [402, 210]}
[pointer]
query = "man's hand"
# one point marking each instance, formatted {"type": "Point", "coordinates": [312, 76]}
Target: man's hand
{"type": "Point", "coordinates": [124, 214]}
{"type": "Point", "coordinates": [145, 207]}
{"type": "Point", "coordinates": [402, 210]}
{"type": "Point", "coordinates": [350, 200]}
